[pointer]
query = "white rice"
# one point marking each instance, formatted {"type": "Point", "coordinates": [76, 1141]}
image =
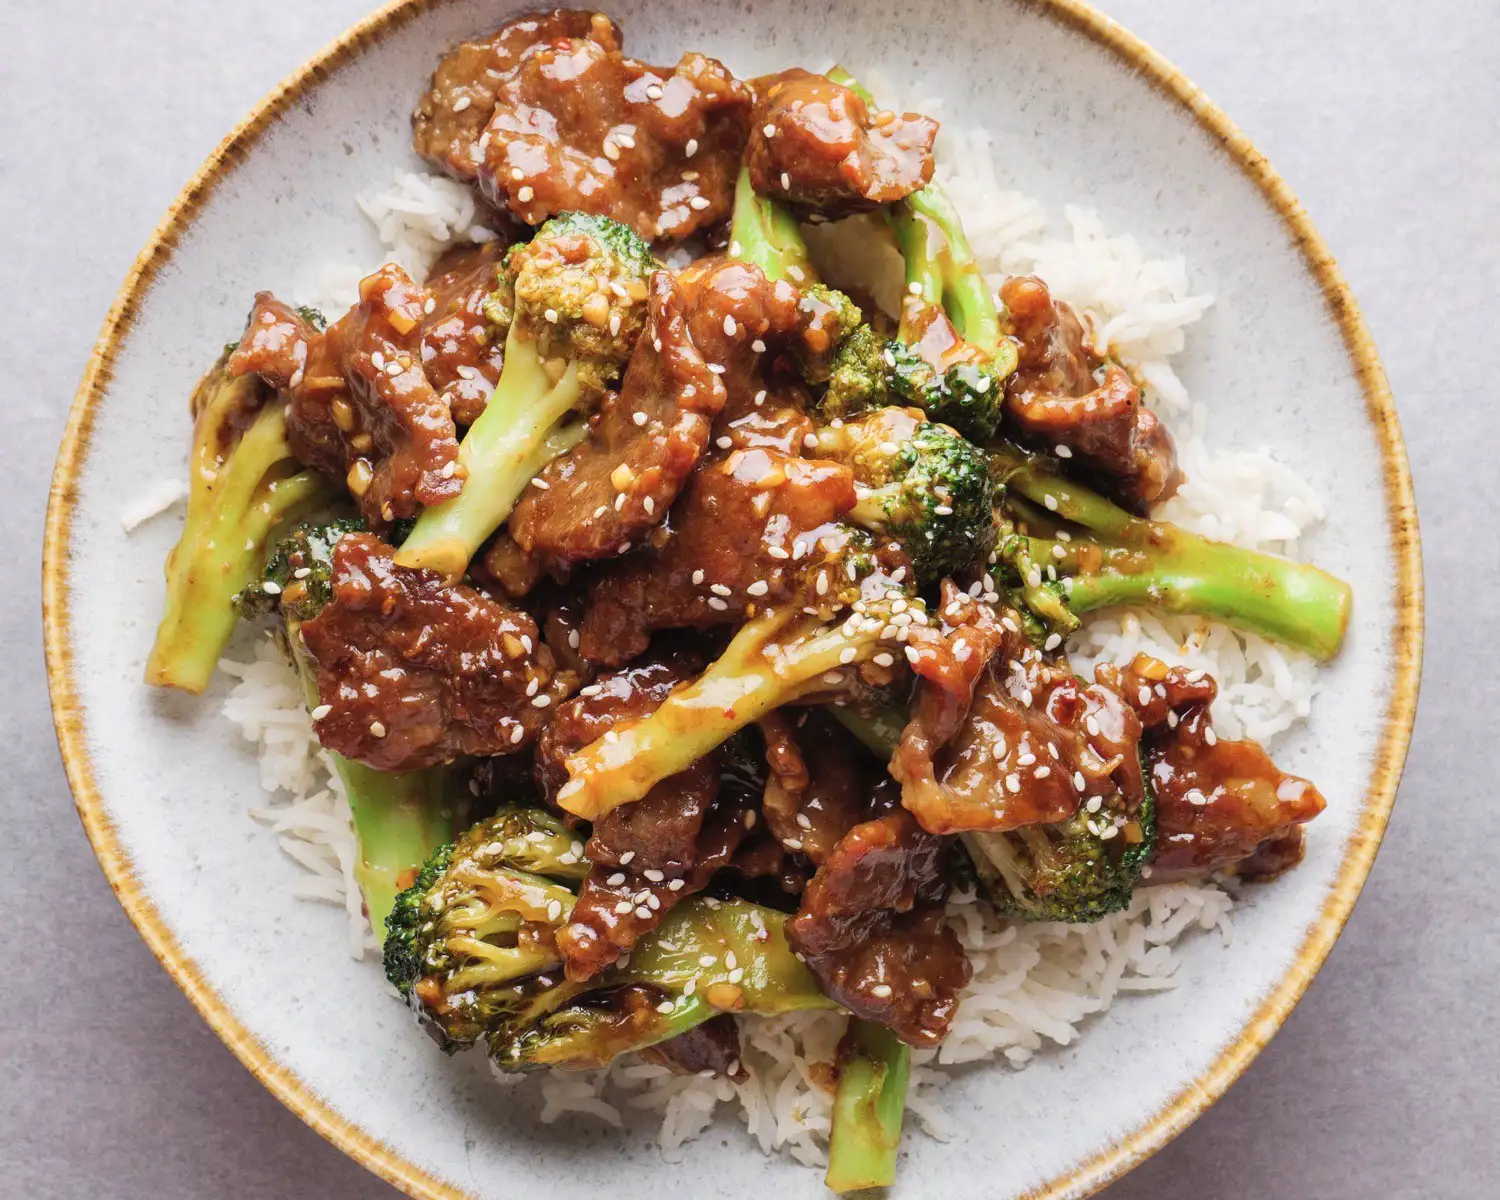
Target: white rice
{"type": "Point", "coordinates": [1033, 985]}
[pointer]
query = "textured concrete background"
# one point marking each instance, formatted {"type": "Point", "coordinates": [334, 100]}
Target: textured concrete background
{"type": "Point", "coordinates": [1385, 118]}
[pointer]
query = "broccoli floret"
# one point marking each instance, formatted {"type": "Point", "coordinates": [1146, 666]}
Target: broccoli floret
{"type": "Point", "coordinates": [244, 486]}
{"type": "Point", "coordinates": [1066, 550]}
{"type": "Point", "coordinates": [465, 939]}
{"type": "Point", "coordinates": [574, 298]}
{"type": "Point", "coordinates": [1077, 870]}
{"type": "Point", "coordinates": [398, 818]}
{"type": "Point", "coordinates": [828, 319]}
{"type": "Point", "coordinates": [920, 483]}
{"type": "Point", "coordinates": [861, 375]}
{"type": "Point", "coordinates": [470, 945]}
{"type": "Point", "coordinates": [298, 578]}
{"type": "Point", "coordinates": [969, 395]}
{"type": "Point", "coordinates": [836, 641]}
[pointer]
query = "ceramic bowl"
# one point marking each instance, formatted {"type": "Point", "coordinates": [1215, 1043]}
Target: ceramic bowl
{"type": "Point", "coordinates": [1079, 110]}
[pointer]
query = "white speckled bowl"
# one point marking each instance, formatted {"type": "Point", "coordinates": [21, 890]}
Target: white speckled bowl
{"type": "Point", "coordinates": [1078, 109]}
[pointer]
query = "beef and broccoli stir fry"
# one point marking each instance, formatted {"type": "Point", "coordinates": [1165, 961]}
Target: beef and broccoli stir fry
{"type": "Point", "coordinates": [684, 636]}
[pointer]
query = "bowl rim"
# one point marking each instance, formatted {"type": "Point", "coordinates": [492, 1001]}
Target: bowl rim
{"type": "Point", "coordinates": [1082, 1179]}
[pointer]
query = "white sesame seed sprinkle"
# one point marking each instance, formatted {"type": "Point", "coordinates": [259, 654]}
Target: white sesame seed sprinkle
{"type": "Point", "coordinates": [321, 711]}
{"type": "Point", "coordinates": [377, 729]}
{"type": "Point", "coordinates": [626, 857]}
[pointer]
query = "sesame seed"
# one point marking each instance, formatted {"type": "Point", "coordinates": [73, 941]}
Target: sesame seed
{"type": "Point", "coordinates": [1050, 501]}
{"type": "Point", "coordinates": [777, 552]}
{"type": "Point", "coordinates": [1053, 642]}
{"type": "Point", "coordinates": [724, 443]}
{"type": "Point", "coordinates": [551, 316]}
{"type": "Point", "coordinates": [653, 91]}
{"type": "Point", "coordinates": [541, 701]}
{"type": "Point", "coordinates": [943, 510]}
{"type": "Point", "coordinates": [517, 173]}
{"type": "Point", "coordinates": [760, 397]}
{"type": "Point", "coordinates": [786, 182]}
{"type": "Point", "coordinates": [653, 875]}
{"type": "Point", "coordinates": [665, 1006]}
{"type": "Point", "coordinates": [882, 990]}
{"type": "Point", "coordinates": [792, 843]}
{"type": "Point", "coordinates": [525, 194]}
{"type": "Point", "coordinates": [718, 589]}
{"type": "Point", "coordinates": [554, 910]}
{"type": "Point", "coordinates": [1210, 736]}
{"type": "Point", "coordinates": [759, 588]}
{"type": "Point", "coordinates": [707, 960]}
{"type": "Point", "coordinates": [462, 103]}
{"type": "Point", "coordinates": [1062, 451]}
{"type": "Point", "coordinates": [593, 689]}
{"type": "Point", "coordinates": [884, 660]}
{"type": "Point", "coordinates": [912, 655]}
{"type": "Point", "coordinates": [730, 327]}
{"type": "Point", "coordinates": [626, 857]}
{"type": "Point", "coordinates": [717, 368]}
{"type": "Point", "coordinates": [691, 148]}
{"type": "Point", "coordinates": [377, 729]}
{"type": "Point", "coordinates": [321, 711]}
{"type": "Point", "coordinates": [377, 360]}
{"type": "Point", "coordinates": [623, 907]}
{"type": "Point", "coordinates": [1095, 803]}
{"type": "Point", "coordinates": [759, 347]}
{"type": "Point", "coordinates": [616, 879]}
{"type": "Point", "coordinates": [675, 886]}
{"type": "Point", "coordinates": [769, 130]}
{"type": "Point", "coordinates": [540, 483]}
{"type": "Point", "coordinates": [516, 735]}
{"type": "Point", "coordinates": [698, 203]}
{"type": "Point", "coordinates": [810, 441]}
{"type": "Point", "coordinates": [795, 273]}
{"type": "Point", "coordinates": [429, 305]}
{"type": "Point", "coordinates": [1042, 771]}
{"type": "Point", "coordinates": [698, 576]}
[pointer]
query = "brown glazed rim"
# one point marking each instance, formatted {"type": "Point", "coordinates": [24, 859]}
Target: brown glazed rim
{"type": "Point", "coordinates": [1084, 1178]}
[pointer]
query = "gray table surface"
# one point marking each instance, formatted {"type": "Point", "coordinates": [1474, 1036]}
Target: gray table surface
{"type": "Point", "coordinates": [1385, 117]}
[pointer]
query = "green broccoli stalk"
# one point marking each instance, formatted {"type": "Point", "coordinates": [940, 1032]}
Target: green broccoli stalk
{"type": "Point", "coordinates": [874, 1066]}
{"type": "Point", "coordinates": [920, 483]}
{"type": "Point", "coordinates": [574, 298]}
{"type": "Point", "coordinates": [399, 818]}
{"type": "Point", "coordinates": [764, 233]}
{"type": "Point", "coordinates": [785, 655]}
{"type": "Point", "coordinates": [244, 485]}
{"type": "Point", "coordinates": [1081, 553]}
{"type": "Point", "coordinates": [471, 947]}
{"type": "Point", "coordinates": [1076, 870]}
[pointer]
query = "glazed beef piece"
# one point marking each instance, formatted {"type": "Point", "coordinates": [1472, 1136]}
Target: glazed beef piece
{"type": "Point", "coordinates": [871, 929]}
{"type": "Point", "coordinates": [649, 855]}
{"type": "Point", "coordinates": [1002, 735]}
{"type": "Point", "coordinates": [450, 118]}
{"type": "Point", "coordinates": [736, 537]}
{"type": "Point", "coordinates": [816, 144]}
{"type": "Point", "coordinates": [1220, 805]}
{"type": "Point", "coordinates": [360, 408]}
{"type": "Point", "coordinates": [577, 126]}
{"type": "Point", "coordinates": [613, 488]}
{"type": "Point", "coordinates": [819, 782]}
{"type": "Point", "coordinates": [713, 1046]}
{"type": "Point", "coordinates": [1062, 395]}
{"type": "Point", "coordinates": [412, 674]}
{"type": "Point", "coordinates": [462, 352]}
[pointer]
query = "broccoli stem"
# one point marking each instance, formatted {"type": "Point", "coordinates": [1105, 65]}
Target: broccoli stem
{"type": "Point", "coordinates": [774, 659]}
{"type": "Point", "coordinates": [519, 432]}
{"type": "Point", "coordinates": [765, 234]}
{"type": "Point", "coordinates": [399, 818]}
{"type": "Point", "coordinates": [1134, 561]}
{"type": "Point", "coordinates": [233, 508]}
{"type": "Point", "coordinates": [941, 262]}
{"type": "Point", "coordinates": [874, 1066]}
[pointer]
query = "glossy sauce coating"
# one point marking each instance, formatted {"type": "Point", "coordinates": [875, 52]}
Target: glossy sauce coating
{"type": "Point", "coordinates": [413, 674]}
{"type": "Point", "coordinates": [1062, 395]}
{"type": "Point", "coordinates": [816, 144]}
